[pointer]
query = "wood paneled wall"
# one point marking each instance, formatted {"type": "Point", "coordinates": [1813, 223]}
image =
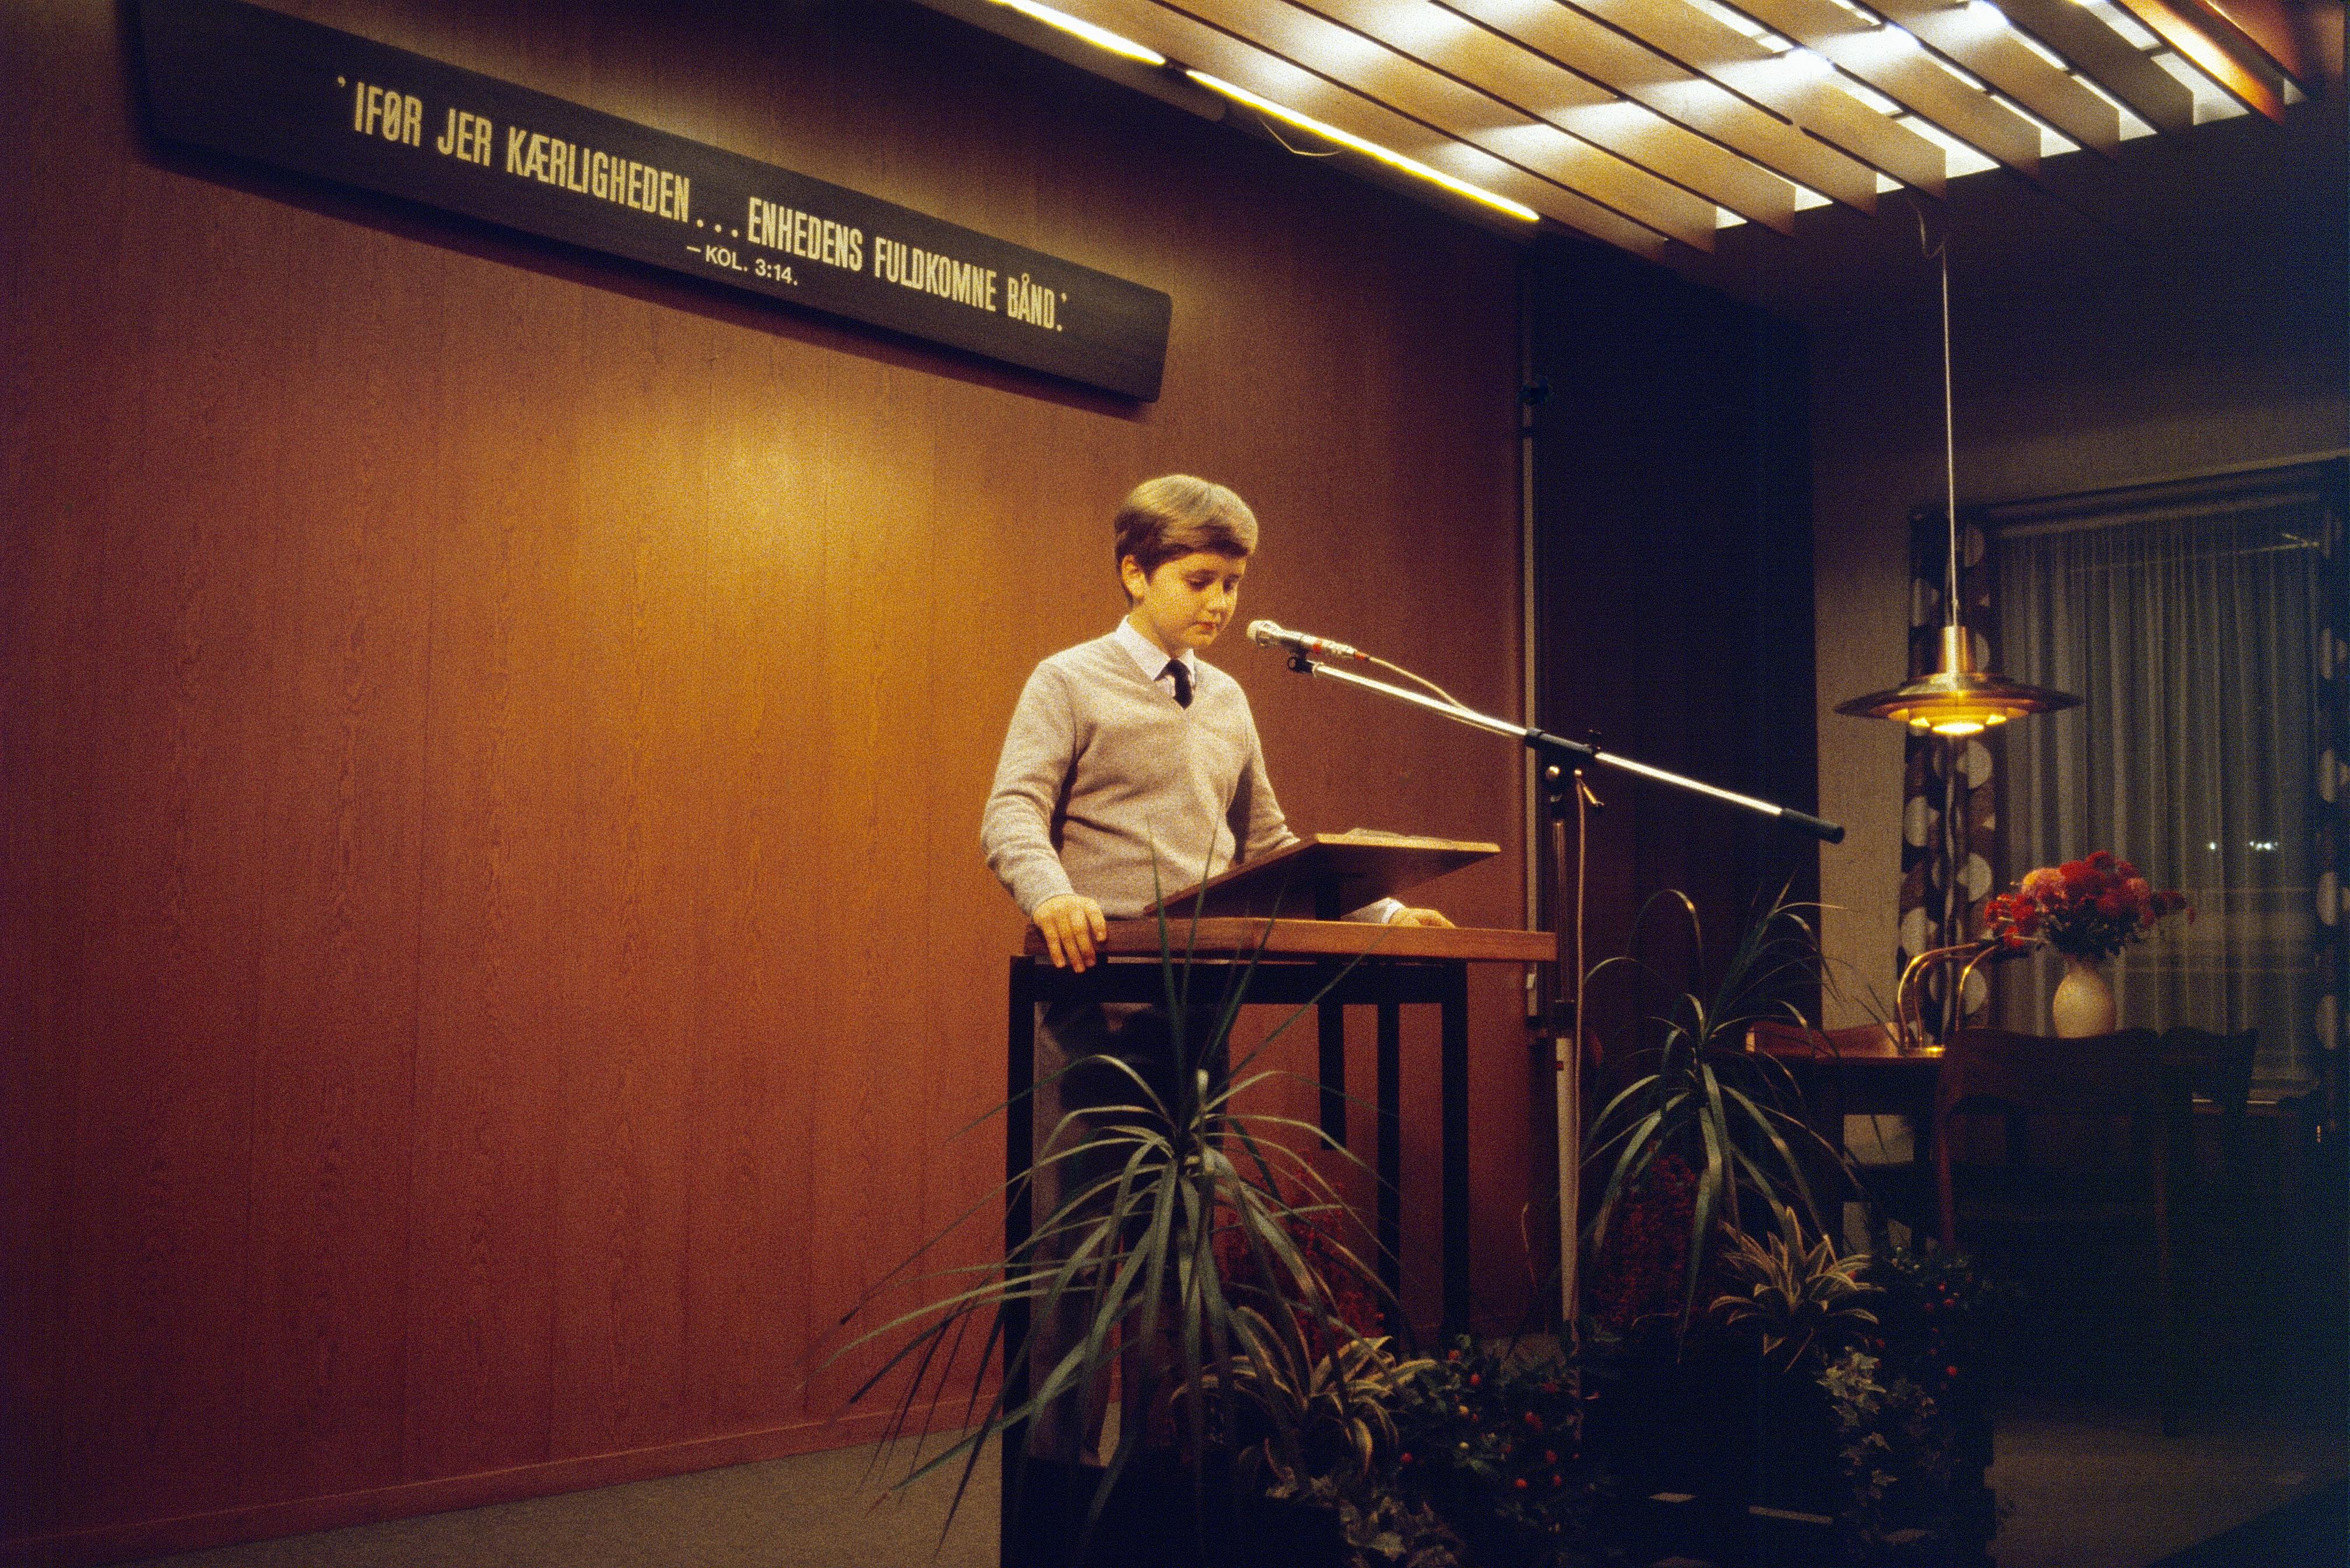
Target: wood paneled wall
{"type": "Point", "coordinates": [494, 942]}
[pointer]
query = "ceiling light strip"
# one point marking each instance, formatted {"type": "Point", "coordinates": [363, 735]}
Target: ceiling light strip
{"type": "Point", "coordinates": [1195, 44]}
{"type": "Point", "coordinates": [2211, 101]}
{"type": "Point", "coordinates": [1977, 36]}
{"type": "Point", "coordinates": [1556, 41]}
{"type": "Point", "coordinates": [1322, 50]}
{"type": "Point", "coordinates": [1078, 26]}
{"type": "Point", "coordinates": [1370, 149]}
{"type": "Point", "coordinates": [1811, 98]}
{"type": "Point", "coordinates": [1449, 41]}
{"type": "Point", "coordinates": [1892, 60]}
{"type": "Point", "coordinates": [2053, 141]}
{"type": "Point", "coordinates": [2213, 46]}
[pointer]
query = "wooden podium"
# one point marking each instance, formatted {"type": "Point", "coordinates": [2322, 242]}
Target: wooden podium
{"type": "Point", "coordinates": [1391, 967]}
{"type": "Point", "coordinates": [1383, 967]}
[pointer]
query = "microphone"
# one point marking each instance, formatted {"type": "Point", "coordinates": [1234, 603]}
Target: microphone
{"type": "Point", "coordinates": [1266, 634]}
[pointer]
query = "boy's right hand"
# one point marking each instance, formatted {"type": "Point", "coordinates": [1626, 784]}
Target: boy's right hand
{"type": "Point", "coordinates": [1072, 924]}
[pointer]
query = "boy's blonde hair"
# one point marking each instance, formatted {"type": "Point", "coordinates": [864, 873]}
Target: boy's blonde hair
{"type": "Point", "coordinates": [1176, 515]}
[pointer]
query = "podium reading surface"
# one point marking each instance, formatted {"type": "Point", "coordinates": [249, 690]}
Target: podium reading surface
{"type": "Point", "coordinates": [1323, 877]}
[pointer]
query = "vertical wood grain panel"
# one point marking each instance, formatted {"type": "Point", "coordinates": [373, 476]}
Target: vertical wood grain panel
{"type": "Point", "coordinates": [634, 774]}
{"type": "Point", "coordinates": [877, 622]}
{"type": "Point", "coordinates": [52, 550]}
{"type": "Point", "coordinates": [341, 760]}
{"type": "Point", "coordinates": [748, 1255]}
{"type": "Point", "coordinates": [159, 1220]}
{"type": "Point", "coordinates": [492, 1033]}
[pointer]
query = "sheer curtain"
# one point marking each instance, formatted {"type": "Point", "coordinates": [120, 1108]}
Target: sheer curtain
{"type": "Point", "coordinates": [2190, 624]}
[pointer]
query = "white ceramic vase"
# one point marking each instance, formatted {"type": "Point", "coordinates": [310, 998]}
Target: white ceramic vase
{"type": "Point", "coordinates": [2084, 1003]}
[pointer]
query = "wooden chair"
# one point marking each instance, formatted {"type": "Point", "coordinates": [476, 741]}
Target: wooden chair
{"type": "Point", "coordinates": [2217, 1068]}
{"type": "Point", "coordinates": [2095, 1084]}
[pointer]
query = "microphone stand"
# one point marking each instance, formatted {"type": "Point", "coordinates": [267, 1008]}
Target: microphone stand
{"type": "Point", "coordinates": [1563, 762]}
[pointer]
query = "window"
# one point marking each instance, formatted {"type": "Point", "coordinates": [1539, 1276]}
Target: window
{"type": "Point", "coordinates": [2200, 622]}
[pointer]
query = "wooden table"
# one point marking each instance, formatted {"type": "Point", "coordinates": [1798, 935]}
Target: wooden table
{"type": "Point", "coordinates": [1855, 1072]}
{"type": "Point", "coordinates": [1861, 1071]}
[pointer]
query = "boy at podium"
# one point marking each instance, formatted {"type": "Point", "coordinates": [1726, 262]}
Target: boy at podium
{"type": "Point", "coordinates": [1125, 753]}
{"type": "Point", "coordinates": [1131, 746]}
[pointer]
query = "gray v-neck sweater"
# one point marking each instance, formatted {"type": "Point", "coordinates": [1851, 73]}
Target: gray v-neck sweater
{"type": "Point", "coordinates": [1102, 769]}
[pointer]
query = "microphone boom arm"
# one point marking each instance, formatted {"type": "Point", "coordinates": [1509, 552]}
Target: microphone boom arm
{"type": "Point", "coordinates": [1559, 746]}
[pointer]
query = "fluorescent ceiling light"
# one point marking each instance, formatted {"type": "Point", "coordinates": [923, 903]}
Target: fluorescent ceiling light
{"type": "Point", "coordinates": [1854, 87]}
{"type": "Point", "coordinates": [2133, 32]}
{"type": "Point", "coordinates": [1370, 149]}
{"type": "Point", "coordinates": [1737, 21]}
{"type": "Point", "coordinates": [1960, 157]}
{"type": "Point", "coordinates": [2035, 46]}
{"type": "Point", "coordinates": [1100, 37]}
{"type": "Point", "coordinates": [2211, 102]}
{"type": "Point", "coordinates": [2054, 143]}
{"type": "Point", "coordinates": [1962, 72]}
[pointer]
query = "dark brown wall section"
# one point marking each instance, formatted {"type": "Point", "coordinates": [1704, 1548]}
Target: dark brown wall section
{"type": "Point", "coordinates": [494, 944]}
{"type": "Point", "coordinates": [1672, 485]}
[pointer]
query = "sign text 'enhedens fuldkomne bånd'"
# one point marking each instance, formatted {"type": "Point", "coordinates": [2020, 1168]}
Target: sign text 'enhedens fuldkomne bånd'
{"type": "Point", "coordinates": [259, 84]}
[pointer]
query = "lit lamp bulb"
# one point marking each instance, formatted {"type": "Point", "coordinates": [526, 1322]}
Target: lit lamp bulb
{"type": "Point", "coordinates": [1956, 699]}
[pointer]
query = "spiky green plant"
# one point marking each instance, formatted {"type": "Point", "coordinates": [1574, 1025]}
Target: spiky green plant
{"type": "Point", "coordinates": [1343, 1405]}
{"type": "Point", "coordinates": [1800, 1296]}
{"type": "Point", "coordinates": [1722, 1107]}
{"type": "Point", "coordinates": [1138, 1247]}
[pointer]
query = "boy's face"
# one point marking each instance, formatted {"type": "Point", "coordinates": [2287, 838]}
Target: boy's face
{"type": "Point", "coordinates": [1187, 601]}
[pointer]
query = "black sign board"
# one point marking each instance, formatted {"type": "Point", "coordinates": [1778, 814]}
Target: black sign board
{"type": "Point", "coordinates": [241, 79]}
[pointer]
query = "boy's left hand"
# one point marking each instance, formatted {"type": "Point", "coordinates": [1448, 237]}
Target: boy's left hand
{"type": "Point", "coordinates": [1418, 918]}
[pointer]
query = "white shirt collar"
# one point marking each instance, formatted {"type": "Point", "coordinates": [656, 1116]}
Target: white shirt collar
{"type": "Point", "coordinates": [1148, 656]}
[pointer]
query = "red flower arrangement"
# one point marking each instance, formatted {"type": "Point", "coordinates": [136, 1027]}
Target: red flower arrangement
{"type": "Point", "coordinates": [2089, 908]}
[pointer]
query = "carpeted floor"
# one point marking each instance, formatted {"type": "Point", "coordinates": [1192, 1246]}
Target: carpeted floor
{"type": "Point", "coordinates": [2092, 1484]}
{"type": "Point", "coordinates": [2083, 1475]}
{"type": "Point", "coordinates": [2088, 1482]}
{"type": "Point", "coordinates": [814, 1512]}
{"type": "Point", "coordinates": [2313, 1530]}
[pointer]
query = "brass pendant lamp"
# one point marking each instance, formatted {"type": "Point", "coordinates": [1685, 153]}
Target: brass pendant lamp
{"type": "Point", "coordinates": [1956, 700]}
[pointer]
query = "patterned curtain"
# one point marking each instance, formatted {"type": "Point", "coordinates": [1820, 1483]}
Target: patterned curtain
{"type": "Point", "coordinates": [2333, 797]}
{"type": "Point", "coordinates": [1949, 815]}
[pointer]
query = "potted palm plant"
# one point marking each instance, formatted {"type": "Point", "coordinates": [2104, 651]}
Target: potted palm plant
{"type": "Point", "coordinates": [1701, 1160]}
{"type": "Point", "coordinates": [1783, 1385]}
{"type": "Point", "coordinates": [1196, 1226]}
{"type": "Point", "coordinates": [1706, 1104]}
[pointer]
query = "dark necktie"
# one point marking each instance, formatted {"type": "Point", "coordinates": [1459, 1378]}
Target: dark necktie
{"type": "Point", "coordinates": [1182, 674]}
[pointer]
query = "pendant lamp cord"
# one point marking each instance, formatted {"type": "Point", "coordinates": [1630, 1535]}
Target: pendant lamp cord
{"type": "Point", "coordinates": [1952, 1008]}
{"type": "Point", "coordinates": [1949, 437]}
{"type": "Point", "coordinates": [1941, 252]}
